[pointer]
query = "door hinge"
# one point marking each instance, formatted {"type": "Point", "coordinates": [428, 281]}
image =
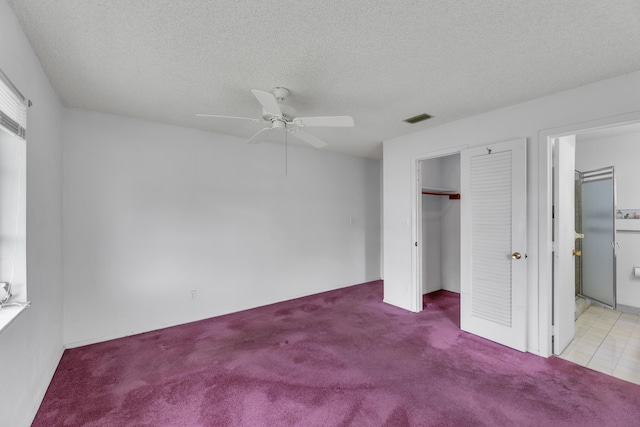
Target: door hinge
{"type": "Point", "coordinates": [554, 330]}
{"type": "Point", "coordinates": [553, 246]}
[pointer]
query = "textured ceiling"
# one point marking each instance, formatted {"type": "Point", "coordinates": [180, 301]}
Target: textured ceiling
{"type": "Point", "coordinates": [378, 61]}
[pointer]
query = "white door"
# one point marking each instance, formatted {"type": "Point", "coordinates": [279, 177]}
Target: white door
{"type": "Point", "coordinates": [564, 159]}
{"type": "Point", "coordinates": [493, 243]}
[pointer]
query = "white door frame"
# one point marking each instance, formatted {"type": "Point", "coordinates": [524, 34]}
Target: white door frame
{"type": "Point", "coordinates": [545, 225]}
{"type": "Point", "coordinates": [416, 221]}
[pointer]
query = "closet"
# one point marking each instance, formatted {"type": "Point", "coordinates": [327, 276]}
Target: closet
{"type": "Point", "coordinates": [440, 200]}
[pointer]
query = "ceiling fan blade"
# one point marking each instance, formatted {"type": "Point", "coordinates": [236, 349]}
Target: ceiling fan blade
{"type": "Point", "coordinates": [332, 121]}
{"type": "Point", "coordinates": [256, 138]}
{"type": "Point", "coordinates": [268, 102]}
{"type": "Point", "coordinates": [310, 139]}
{"type": "Point", "coordinates": [228, 117]}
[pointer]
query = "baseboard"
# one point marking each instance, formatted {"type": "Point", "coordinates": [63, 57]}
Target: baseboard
{"type": "Point", "coordinates": [90, 341]}
{"type": "Point", "coordinates": [536, 352]}
{"type": "Point", "coordinates": [395, 304]}
{"type": "Point", "coordinates": [43, 390]}
{"type": "Point", "coordinates": [114, 336]}
{"type": "Point", "coordinates": [628, 309]}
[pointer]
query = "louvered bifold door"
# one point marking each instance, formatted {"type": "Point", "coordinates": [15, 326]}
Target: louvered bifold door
{"type": "Point", "coordinates": [493, 249]}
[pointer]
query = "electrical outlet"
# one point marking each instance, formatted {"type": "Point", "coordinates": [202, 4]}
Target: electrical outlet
{"type": "Point", "coordinates": [193, 295]}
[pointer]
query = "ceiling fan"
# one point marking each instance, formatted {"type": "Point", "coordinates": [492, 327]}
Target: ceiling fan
{"type": "Point", "coordinates": [280, 116]}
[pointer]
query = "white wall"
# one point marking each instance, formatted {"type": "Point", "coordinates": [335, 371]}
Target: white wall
{"type": "Point", "coordinates": [622, 152]}
{"type": "Point", "coordinates": [153, 211]}
{"type": "Point", "coordinates": [450, 229]}
{"type": "Point", "coordinates": [440, 225]}
{"type": "Point", "coordinates": [31, 346]}
{"type": "Point", "coordinates": [604, 99]}
{"type": "Point", "coordinates": [431, 226]}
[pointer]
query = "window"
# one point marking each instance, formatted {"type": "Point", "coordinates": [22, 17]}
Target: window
{"type": "Point", "coordinates": [13, 274]}
{"type": "Point", "coordinates": [13, 108]}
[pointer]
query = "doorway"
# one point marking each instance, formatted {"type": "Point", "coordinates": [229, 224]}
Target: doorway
{"type": "Point", "coordinates": [600, 154]}
{"type": "Point", "coordinates": [607, 335]}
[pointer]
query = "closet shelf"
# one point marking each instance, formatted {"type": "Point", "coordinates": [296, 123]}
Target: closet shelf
{"type": "Point", "coordinates": [453, 195]}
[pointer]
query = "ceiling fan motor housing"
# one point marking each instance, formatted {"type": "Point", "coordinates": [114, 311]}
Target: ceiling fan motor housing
{"type": "Point", "coordinates": [288, 113]}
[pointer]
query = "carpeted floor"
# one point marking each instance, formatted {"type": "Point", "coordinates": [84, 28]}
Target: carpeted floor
{"type": "Point", "coordinates": [341, 358]}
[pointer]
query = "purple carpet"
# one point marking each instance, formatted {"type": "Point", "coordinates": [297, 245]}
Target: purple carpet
{"type": "Point", "coordinates": [341, 358]}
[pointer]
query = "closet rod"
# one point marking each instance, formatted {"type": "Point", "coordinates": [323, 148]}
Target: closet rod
{"type": "Point", "coordinates": [452, 196]}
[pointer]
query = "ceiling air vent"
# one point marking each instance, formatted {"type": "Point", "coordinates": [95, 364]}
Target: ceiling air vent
{"type": "Point", "coordinates": [418, 118]}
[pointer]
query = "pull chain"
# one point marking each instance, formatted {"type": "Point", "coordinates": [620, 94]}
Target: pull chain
{"type": "Point", "coordinates": [286, 152]}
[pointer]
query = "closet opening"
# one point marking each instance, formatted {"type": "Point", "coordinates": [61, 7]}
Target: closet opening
{"type": "Point", "coordinates": [439, 225]}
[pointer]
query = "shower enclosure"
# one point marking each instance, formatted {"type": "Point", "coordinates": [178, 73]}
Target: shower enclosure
{"type": "Point", "coordinates": [596, 207]}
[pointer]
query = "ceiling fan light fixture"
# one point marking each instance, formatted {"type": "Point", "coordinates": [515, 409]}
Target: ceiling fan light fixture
{"type": "Point", "coordinates": [278, 124]}
{"type": "Point", "coordinates": [417, 119]}
{"type": "Point", "coordinates": [287, 112]}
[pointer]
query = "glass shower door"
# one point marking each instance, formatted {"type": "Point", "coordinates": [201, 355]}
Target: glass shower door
{"type": "Point", "coordinates": [598, 245]}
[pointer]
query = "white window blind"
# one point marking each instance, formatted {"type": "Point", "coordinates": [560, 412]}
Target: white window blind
{"type": "Point", "coordinates": [13, 108]}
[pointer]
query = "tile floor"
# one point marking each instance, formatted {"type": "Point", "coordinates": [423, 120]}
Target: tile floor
{"type": "Point", "coordinates": [607, 341]}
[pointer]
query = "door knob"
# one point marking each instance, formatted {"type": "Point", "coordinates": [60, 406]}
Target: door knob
{"type": "Point", "coordinates": [577, 252]}
{"type": "Point", "coordinates": [516, 255]}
